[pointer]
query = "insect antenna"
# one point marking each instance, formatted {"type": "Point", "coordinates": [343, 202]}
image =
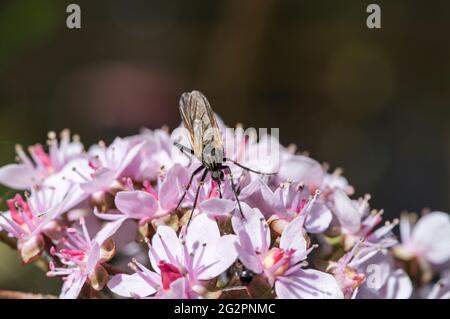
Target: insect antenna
{"type": "Point", "coordinates": [185, 151]}
{"type": "Point", "coordinates": [248, 168]}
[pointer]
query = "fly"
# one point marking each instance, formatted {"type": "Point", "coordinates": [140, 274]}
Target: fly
{"type": "Point", "coordinates": [206, 142]}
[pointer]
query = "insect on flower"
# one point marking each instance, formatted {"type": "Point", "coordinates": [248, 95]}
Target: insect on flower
{"type": "Point", "coordinates": [206, 142]}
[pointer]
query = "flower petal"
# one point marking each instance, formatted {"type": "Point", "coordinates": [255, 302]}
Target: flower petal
{"type": "Point", "coordinates": [72, 286]}
{"type": "Point", "coordinates": [431, 237]}
{"type": "Point", "coordinates": [170, 192]}
{"type": "Point", "coordinates": [258, 194]}
{"type": "Point", "coordinates": [165, 246]}
{"type": "Point", "coordinates": [303, 169]}
{"type": "Point", "coordinates": [398, 286]}
{"type": "Point", "coordinates": [308, 284]}
{"type": "Point", "coordinates": [202, 230]}
{"type": "Point", "coordinates": [254, 225]}
{"type": "Point", "coordinates": [318, 219]}
{"type": "Point", "coordinates": [217, 206]}
{"type": "Point", "coordinates": [346, 212]}
{"type": "Point", "coordinates": [17, 176]}
{"type": "Point", "coordinates": [108, 230]}
{"type": "Point", "coordinates": [130, 285]}
{"type": "Point", "coordinates": [293, 236]}
{"type": "Point", "coordinates": [217, 257]}
{"type": "Point", "coordinates": [136, 204]}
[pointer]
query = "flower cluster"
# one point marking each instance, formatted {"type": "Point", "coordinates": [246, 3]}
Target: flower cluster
{"type": "Point", "coordinates": [117, 221]}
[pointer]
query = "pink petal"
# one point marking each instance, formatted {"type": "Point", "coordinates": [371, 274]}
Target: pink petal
{"type": "Point", "coordinates": [308, 284]}
{"type": "Point", "coordinates": [202, 230]}
{"type": "Point", "coordinates": [346, 212]}
{"type": "Point", "coordinates": [318, 219]}
{"type": "Point", "coordinates": [136, 204]}
{"type": "Point", "coordinates": [258, 194]}
{"type": "Point", "coordinates": [218, 257]}
{"type": "Point", "coordinates": [303, 169]}
{"type": "Point", "coordinates": [17, 176]}
{"type": "Point", "coordinates": [170, 192]}
{"type": "Point", "coordinates": [108, 230]}
{"type": "Point", "coordinates": [398, 286]}
{"type": "Point", "coordinates": [431, 237]}
{"type": "Point", "coordinates": [102, 180]}
{"type": "Point", "coordinates": [93, 258]}
{"type": "Point", "coordinates": [377, 264]}
{"type": "Point", "coordinates": [247, 254]}
{"type": "Point", "coordinates": [254, 225]}
{"type": "Point", "coordinates": [180, 289]}
{"type": "Point", "coordinates": [131, 153]}
{"type": "Point", "coordinates": [293, 236]}
{"type": "Point", "coordinates": [217, 206]}
{"type": "Point", "coordinates": [130, 285]}
{"type": "Point", "coordinates": [167, 246]}
{"type": "Point", "coordinates": [72, 286]}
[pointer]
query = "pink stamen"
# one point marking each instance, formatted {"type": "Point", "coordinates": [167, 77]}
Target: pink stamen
{"type": "Point", "coordinates": [169, 273]}
{"type": "Point", "coordinates": [93, 165]}
{"type": "Point", "coordinates": [41, 156]}
{"type": "Point", "coordinates": [214, 191]}
{"type": "Point", "coordinates": [149, 189]}
{"type": "Point", "coordinates": [17, 207]}
{"type": "Point", "coordinates": [301, 205]}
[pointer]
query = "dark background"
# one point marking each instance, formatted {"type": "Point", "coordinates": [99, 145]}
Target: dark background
{"type": "Point", "coordinates": [372, 101]}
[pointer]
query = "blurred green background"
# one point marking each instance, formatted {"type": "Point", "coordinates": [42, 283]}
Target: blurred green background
{"type": "Point", "coordinates": [375, 102]}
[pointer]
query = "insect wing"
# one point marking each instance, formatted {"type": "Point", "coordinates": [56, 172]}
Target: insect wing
{"type": "Point", "coordinates": [200, 122]}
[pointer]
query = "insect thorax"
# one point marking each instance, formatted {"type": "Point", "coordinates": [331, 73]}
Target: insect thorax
{"type": "Point", "coordinates": [212, 157]}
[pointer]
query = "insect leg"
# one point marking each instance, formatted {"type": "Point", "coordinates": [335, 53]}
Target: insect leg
{"type": "Point", "coordinates": [197, 170]}
{"type": "Point", "coordinates": [234, 189]}
{"type": "Point", "coordinates": [248, 168]}
{"type": "Point", "coordinates": [220, 189]}
{"type": "Point", "coordinates": [205, 172]}
{"type": "Point", "coordinates": [183, 148]}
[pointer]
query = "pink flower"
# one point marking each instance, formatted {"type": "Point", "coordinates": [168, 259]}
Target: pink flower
{"type": "Point", "coordinates": [180, 264]}
{"type": "Point", "coordinates": [300, 169]}
{"type": "Point", "coordinates": [334, 181]}
{"type": "Point", "coordinates": [40, 164]}
{"type": "Point", "coordinates": [157, 153]}
{"type": "Point", "coordinates": [357, 222]}
{"type": "Point", "coordinates": [29, 220]}
{"type": "Point", "coordinates": [287, 202]}
{"type": "Point", "coordinates": [367, 273]}
{"type": "Point", "coordinates": [82, 258]}
{"type": "Point", "coordinates": [209, 201]}
{"type": "Point", "coordinates": [283, 266]}
{"type": "Point", "coordinates": [428, 240]}
{"type": "Point", "coordinates": [99, 173]}
{"type": "Point", "coordinates": [151, 202]}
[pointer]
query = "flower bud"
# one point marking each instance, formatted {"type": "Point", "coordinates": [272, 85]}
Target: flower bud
{"type": "Point", "coordinates": [98, 278]}
{"type": "Point", "coordinates": [31, 248]}
{"type": "Point", "coordinates": [107, 250]}
{"type": "Point", "coordinates": [279, 257]}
